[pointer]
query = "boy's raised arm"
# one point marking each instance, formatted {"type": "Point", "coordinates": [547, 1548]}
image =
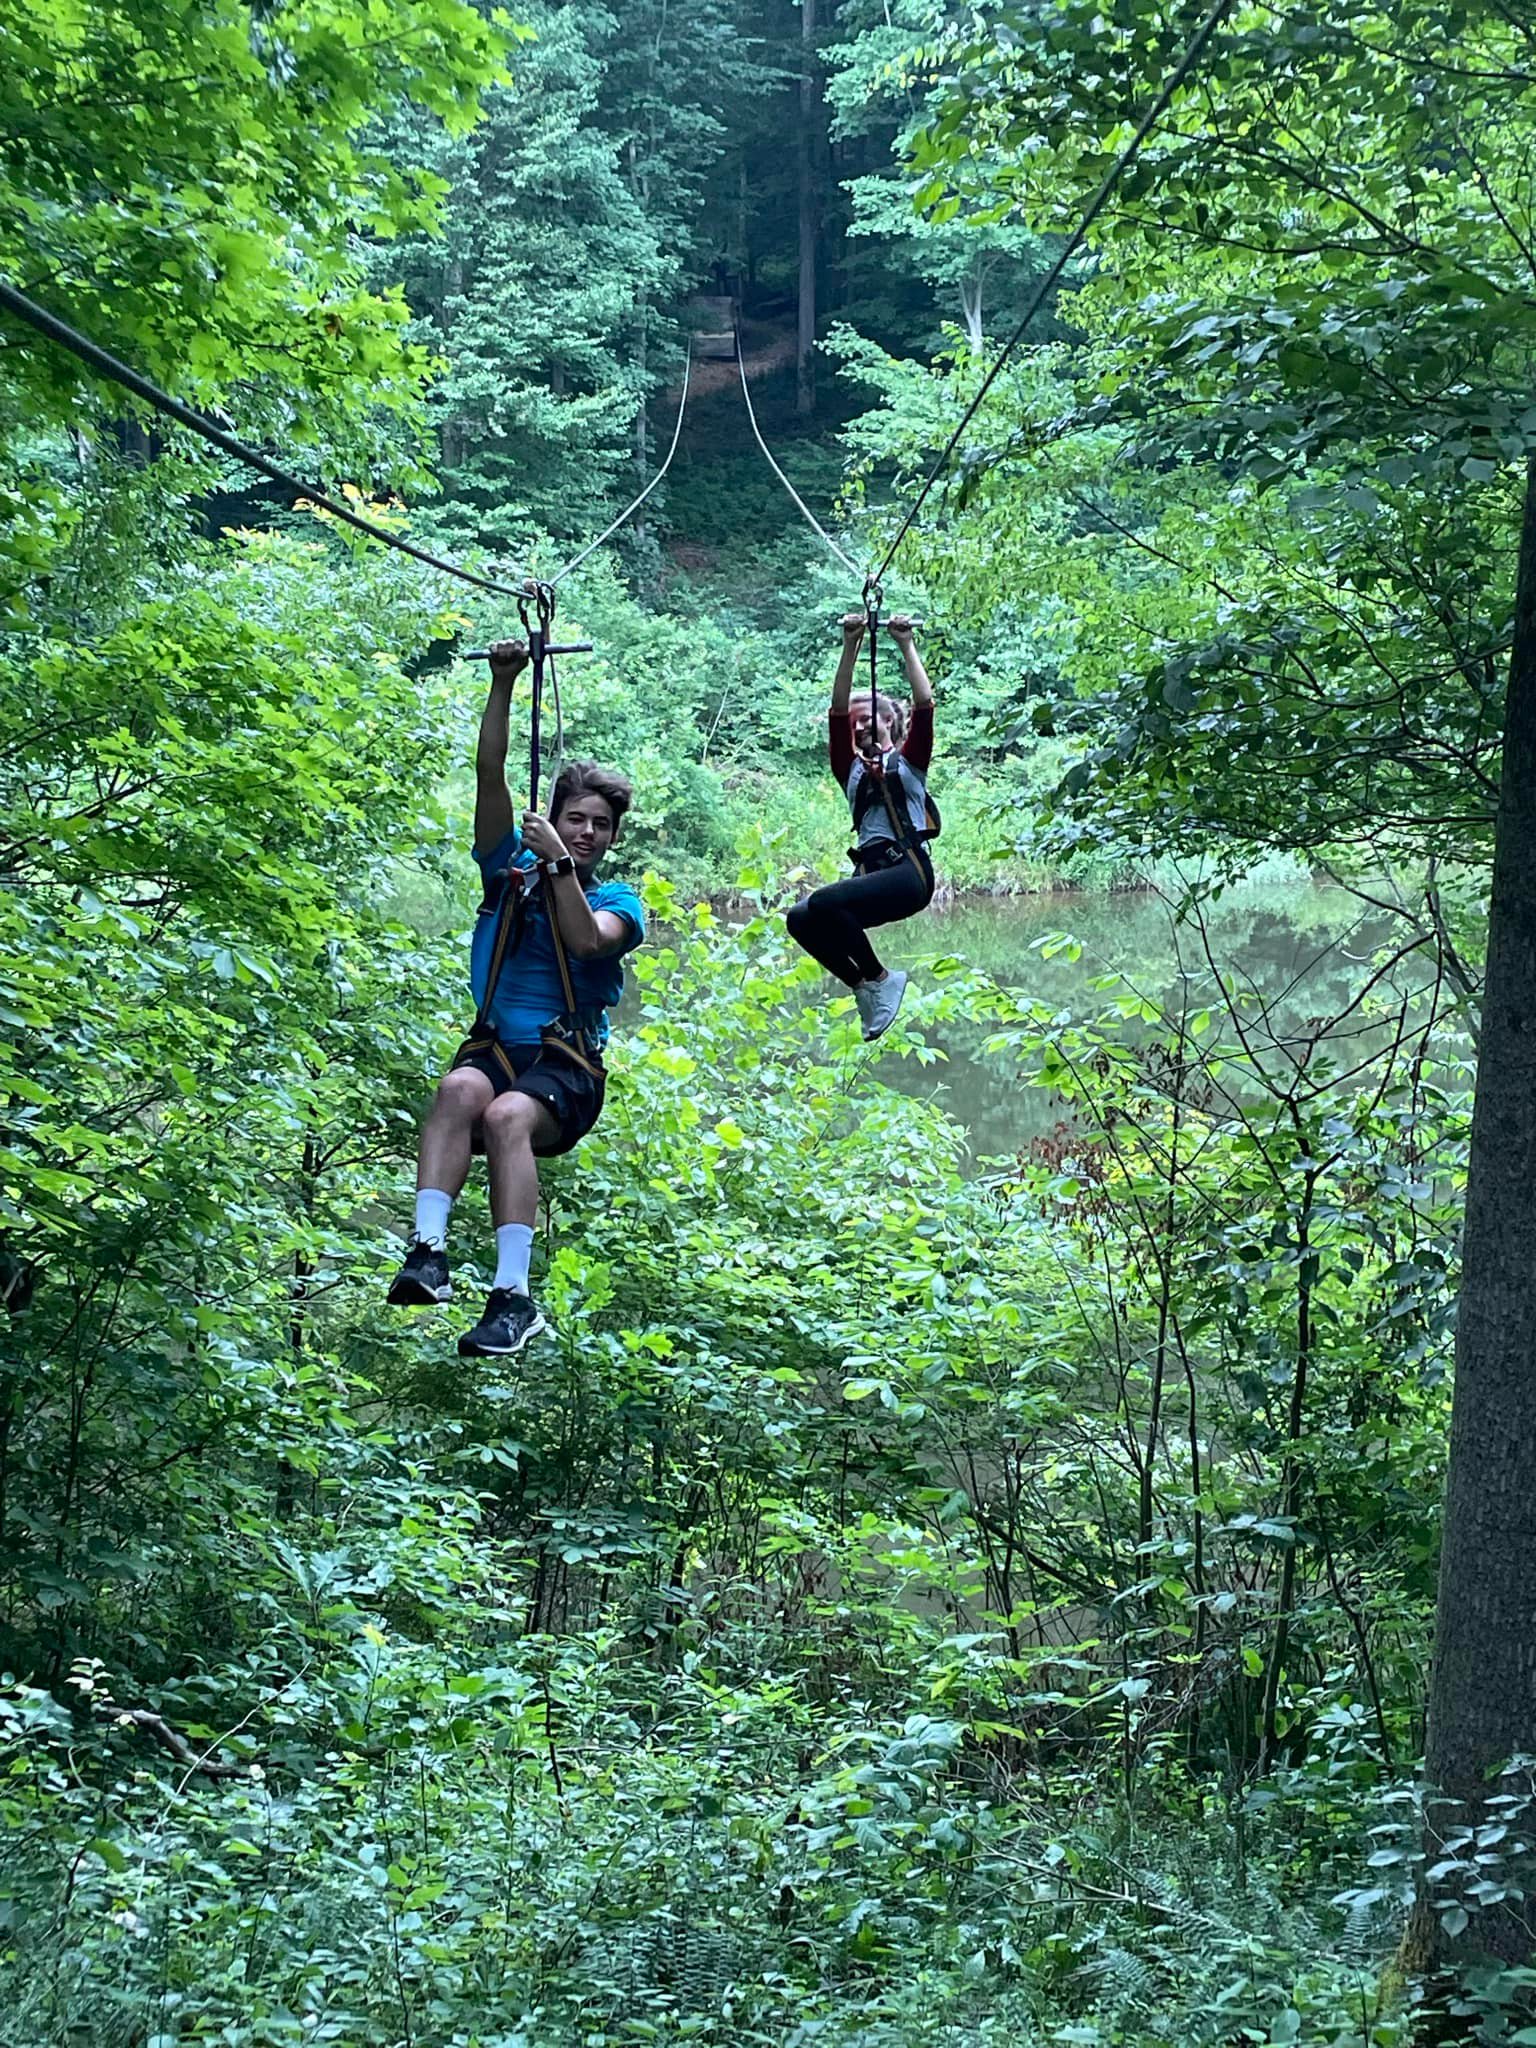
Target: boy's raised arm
{"type": "Point", "coordinates": [494, 815]}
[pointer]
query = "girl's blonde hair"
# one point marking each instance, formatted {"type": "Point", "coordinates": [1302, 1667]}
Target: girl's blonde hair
{"type": "Point", "coordinates": [890, 708]}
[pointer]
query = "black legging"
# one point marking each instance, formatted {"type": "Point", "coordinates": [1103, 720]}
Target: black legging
{"type": "Point", "coordinates": [832, 925]}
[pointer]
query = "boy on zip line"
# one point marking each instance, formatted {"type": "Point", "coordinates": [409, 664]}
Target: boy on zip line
{"type": "Point", "coordinates": [545, 966]}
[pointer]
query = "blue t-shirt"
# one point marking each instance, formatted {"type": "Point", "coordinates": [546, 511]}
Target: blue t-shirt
{"type": "Point", "coordinates": [529, 994]}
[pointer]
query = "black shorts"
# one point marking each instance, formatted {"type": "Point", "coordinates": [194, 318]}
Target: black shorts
{"type": "Point", "coordinates": [570, 1089]}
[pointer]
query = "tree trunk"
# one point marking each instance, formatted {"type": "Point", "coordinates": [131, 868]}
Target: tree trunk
{"type": "Point", "coordinates": [1482, 1704]}
{"type": "Point", "coordinates": [640, 185]}
{"type": "Point", "coordinates": [970, 312]}
{"type": "Point", "coordinates": [805, 393]}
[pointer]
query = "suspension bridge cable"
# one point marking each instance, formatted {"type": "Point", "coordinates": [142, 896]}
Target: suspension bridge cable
{"type": "Point", "coordinates": [1096, 206]}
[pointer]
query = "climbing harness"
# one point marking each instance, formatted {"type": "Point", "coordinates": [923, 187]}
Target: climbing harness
{"type": "Point", "coordinates": [910, 793]}
{"type": "Point", "coordinates": [520, 886]}
{"type": "Point", "coordinates": [566, 1034]}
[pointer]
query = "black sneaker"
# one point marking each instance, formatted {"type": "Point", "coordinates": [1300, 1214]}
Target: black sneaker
{"type": "Point", "coordinates": [423, 1280]}
{"type": "Point", "coordinates": [509, 1321]}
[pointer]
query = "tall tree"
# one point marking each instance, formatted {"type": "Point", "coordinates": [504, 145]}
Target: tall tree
{"type": "Point", "coordinates": [809, 212]}
{"type": "Point", "coordinates": [881, 92]}
{"type": "Point", "coordinates": [572, 229]}
{"type": "Point", "coordinates": [533, 291]}
{"type": "Point", "coordinates": [1482, 1703]}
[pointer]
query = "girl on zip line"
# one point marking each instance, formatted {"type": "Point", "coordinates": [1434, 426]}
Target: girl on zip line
{"type": "Point", "coordinates": [880, 757]}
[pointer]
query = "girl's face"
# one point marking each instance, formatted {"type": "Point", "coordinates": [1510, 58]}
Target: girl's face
{"type": "Point", "coordinates": [885, 734]}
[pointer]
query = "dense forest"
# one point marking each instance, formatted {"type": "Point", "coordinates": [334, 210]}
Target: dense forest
{"type": "Point", "coordinates": [1021, 1531]}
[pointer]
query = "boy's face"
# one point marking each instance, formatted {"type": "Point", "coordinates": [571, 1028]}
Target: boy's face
{"type": "Point", "coordinates": [586, 825]}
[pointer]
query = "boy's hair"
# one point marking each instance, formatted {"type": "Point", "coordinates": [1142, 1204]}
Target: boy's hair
{"type": "Point", "coordinates": [585, 778]}
{"type": "Point", "coordinates": [891, 709]}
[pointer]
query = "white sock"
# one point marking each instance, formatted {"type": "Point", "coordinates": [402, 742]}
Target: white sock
{"type": "Point", "coordinates": [432, 1209]}
{"type": "Point", "coordinates": [514, 1248]}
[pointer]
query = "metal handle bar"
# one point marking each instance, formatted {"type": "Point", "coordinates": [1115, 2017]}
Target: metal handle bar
{"type": "Point", "coordinates": [484, 653]}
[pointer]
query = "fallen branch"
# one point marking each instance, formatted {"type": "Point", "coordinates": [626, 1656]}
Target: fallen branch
{"type": "Point", "coordinates": [156, 1726]}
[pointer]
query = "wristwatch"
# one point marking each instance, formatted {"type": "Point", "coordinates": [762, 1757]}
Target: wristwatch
{"type": "Point", "coordinates": [565, 865]}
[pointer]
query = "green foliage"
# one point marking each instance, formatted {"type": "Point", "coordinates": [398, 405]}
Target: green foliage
{"type": "Point", "coordinates": [979, 267]}
{"type": "Point", "coordinates": [902, 1602]}
{"type": "Point", "coordinates": [1275, 485]}
{"type": "Point", "coordinates": [183, 183]}
{"type": "Point", "coordinates": [806, 1555]}
{"type": "Point", "coordinates": [550, 283]}
{"type": "Point", "coordinates": [199, 809]}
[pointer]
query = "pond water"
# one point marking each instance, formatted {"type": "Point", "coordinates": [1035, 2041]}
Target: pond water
{"type": "Point", "coordinates": [1306, 949]}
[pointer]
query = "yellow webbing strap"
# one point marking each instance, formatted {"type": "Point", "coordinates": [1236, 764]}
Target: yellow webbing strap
{"type": "Point", "coordinates": [566, 985]}
{"type": "Point", "coordinates": [506, 916]}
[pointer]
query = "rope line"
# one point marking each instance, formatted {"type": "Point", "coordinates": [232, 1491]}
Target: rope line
{"type": "Point", "coordinates": [1100, 200]}
{"type": "Point", "coordinates": [805, 511]}
{"type": "Point", "coordinates": [115, 371]}
{"type": "Point", "coordinates": [630, 510]}
{"type": "Point", "coordinates": [111, 367]}
{"type": "Point", "coordinates": [557, 760]}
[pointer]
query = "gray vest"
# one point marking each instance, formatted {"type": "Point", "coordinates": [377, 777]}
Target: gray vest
{"type": "Point", "coordinates": [908, 791]}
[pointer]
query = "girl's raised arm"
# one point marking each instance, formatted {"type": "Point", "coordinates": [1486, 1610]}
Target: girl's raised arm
{"type": "Point", "coordinates": [842, 682]}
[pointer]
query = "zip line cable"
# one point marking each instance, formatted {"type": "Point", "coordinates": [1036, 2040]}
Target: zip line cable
{"type": "Point", "coordinates": [64, 336]}
{"type": "Point", "coordinates": [1100, 200]}
{"type": "Point", "coordinates": [805, 511]}
{"type": "Point", "coordinates": [872, 578]}
{"type": "Point", "coordinates": [630, 510]}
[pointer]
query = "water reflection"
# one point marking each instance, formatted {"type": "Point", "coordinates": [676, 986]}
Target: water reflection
{"type": "Point", "coordinates": [1305, 951]}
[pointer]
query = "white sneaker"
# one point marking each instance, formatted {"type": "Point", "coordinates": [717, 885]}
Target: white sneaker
{"type": "Point", "coordinates": [879, 1001]}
